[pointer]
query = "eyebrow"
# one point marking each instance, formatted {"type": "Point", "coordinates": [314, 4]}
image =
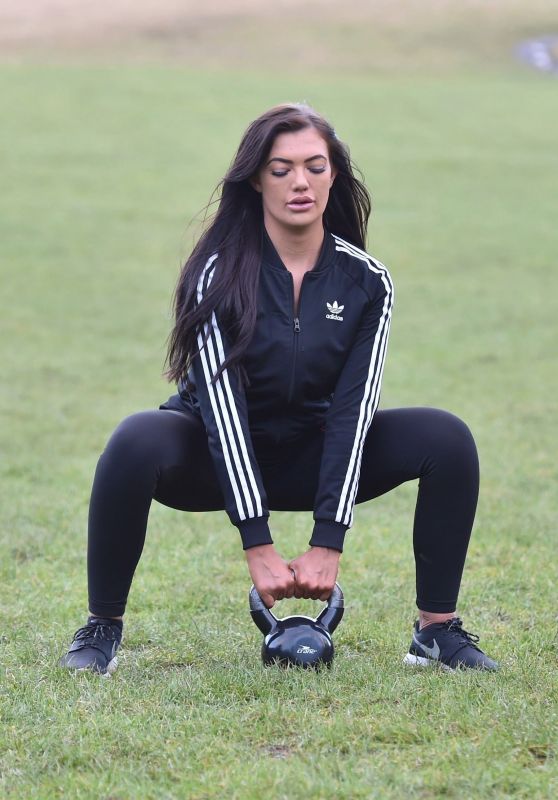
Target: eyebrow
{"type": "Point", "coordinates": [288, 161]}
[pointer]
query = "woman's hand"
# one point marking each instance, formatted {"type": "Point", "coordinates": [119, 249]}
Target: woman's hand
{"type": "Point", "coordinates": [270, 574]}
{"type": "Point", "coordinates": [316, 572]}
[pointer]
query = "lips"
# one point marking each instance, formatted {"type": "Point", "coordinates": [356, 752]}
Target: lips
{"type": "Point", "coordinates": [301, 203]}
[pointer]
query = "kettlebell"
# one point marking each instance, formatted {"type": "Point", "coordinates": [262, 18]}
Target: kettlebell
{"type": "Point", "coordinates": [298, 641]}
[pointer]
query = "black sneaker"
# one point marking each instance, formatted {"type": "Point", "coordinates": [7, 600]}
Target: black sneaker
{"type": "Point", "coordinates": [447, 644]}
{"type": "Point", "coordinates": [94, 646]}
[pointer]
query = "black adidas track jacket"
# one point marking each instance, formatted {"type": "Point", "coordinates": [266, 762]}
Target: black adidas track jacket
{"type": "Point", "coordinates": [318, 365]}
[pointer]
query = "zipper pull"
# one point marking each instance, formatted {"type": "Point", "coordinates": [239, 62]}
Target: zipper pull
{"type": "Point", "coordinates": [296, 325]}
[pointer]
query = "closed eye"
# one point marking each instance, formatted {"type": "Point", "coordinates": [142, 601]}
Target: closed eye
{"type": "Point", "coordinates": [280, 173]}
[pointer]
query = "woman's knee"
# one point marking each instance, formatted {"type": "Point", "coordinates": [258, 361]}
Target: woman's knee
{"type": "Point", "coordinates": [137, 437]}
{"type": "Point", "coordinates": [451, 438]}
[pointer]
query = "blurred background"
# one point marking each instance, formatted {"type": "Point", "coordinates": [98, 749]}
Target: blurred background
{"type": "Point", "coordinates": [314, 35]}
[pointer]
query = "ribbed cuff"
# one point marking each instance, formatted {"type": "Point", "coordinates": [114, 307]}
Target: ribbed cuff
{"type": "Point", "coordinates": [328, 533]}
{"type": "Point", "coordinates": [254, 532]}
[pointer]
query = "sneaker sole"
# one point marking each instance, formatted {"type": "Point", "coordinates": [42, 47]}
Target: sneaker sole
{"type": "Point", "coordinates": [111, 667]}
{"type": "Point", "coordinates": [411, 660]}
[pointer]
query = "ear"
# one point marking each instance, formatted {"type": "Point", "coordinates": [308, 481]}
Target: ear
{"type": "Point", "coordinates": [333, 176]}
{"type": "Point", "coordinates": [256, 184]}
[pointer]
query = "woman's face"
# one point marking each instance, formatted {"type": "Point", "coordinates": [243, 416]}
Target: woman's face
{"type": "Point", "coordinates": [295, 180]}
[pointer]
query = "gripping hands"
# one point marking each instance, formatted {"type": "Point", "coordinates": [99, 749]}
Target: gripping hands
{"type": "Point", "coordinates": [311, 575]}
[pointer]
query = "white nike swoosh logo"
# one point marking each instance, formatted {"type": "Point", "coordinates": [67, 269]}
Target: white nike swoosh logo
{"type": "Point", "coordinates": [433, 652]}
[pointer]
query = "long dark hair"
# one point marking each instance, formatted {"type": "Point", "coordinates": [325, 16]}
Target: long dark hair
{"type": "Point", "coordinates": [235, 233]}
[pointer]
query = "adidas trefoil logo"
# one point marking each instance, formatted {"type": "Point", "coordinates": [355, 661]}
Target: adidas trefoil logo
{"type": "Point", "coordinates": [334, 311]}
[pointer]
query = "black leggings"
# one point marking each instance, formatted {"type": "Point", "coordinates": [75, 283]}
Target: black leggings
{"type": "Point", "coordinates": [163, 454]}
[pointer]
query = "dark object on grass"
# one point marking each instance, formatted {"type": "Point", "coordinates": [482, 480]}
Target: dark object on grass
{"type": "Point", "coordinates": [298, 641]}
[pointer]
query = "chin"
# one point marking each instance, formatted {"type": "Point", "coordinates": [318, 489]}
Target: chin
{"type": "Point", "coordinates": [303, 221]}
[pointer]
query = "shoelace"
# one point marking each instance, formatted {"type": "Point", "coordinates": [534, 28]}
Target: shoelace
{"type": "Point", "coordinates": [92, 631]}
{"type": "Point", "coordinates": [454, 626]}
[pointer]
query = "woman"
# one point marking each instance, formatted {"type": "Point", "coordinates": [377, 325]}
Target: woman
{"type": "Point", "coordinates": [282, 322]}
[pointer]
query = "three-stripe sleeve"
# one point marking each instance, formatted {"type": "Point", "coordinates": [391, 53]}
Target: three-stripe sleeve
{"type": "Point", "coordinates": [355, 400]}
{"type": "Point", "coordinates": [224, 412]}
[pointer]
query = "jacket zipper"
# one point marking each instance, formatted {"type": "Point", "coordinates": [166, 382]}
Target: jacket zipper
{"type": "Point", "coordinates": [296, 331]}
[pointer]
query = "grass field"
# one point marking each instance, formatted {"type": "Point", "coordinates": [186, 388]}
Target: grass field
{"type": "Point", "coordinates": [103, 168]}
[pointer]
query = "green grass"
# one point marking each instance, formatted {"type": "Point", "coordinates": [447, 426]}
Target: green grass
{"type": "Point", "coordinates": [102, 171]}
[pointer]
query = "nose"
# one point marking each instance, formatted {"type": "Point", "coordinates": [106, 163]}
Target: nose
{"type": "Point", "coordinates": [300, 181]}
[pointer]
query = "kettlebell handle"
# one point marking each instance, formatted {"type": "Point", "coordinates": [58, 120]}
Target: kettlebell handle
{"type": "Point", "coordinates": [332, 614]}
{"type": "Point", "coordinates": [261, 614]}
{"type": "Point", "coordinates": [330, 617]}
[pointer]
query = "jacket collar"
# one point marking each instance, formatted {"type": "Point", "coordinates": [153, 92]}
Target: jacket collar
{"type": "Point", "coordinates": [271, 256]}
